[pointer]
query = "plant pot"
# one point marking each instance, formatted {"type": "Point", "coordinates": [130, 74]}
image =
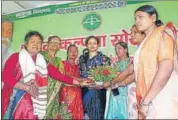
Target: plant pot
{"type": "Point", "coordinates": [99, 83]}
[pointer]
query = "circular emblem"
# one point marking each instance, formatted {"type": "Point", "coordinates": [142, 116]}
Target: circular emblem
{"type": "Point", "coordinates": [91, 21]}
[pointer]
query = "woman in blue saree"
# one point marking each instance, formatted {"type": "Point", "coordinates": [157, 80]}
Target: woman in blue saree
{"type": "Point", "coordinates": [117, 105]}
{"type": "Point", "coordinates": [94, 100]}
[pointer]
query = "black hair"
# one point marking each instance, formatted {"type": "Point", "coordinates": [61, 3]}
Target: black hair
{"type": "Point", "coordinates": [85, 51]}
{"type": "Point", "coordinates": [71, 45]}
{"type": "Point", "coordinates": [150, 10]}
{"type": "Point", "coordinates": [90, 37]}
{"type": "Point", "coordinates": [32, 33]}
{"type": "Point", "coordinates": [51, 37]}
{"type": "Point", "coordinates": [124, 45]}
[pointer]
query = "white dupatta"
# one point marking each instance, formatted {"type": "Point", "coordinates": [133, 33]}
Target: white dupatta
{"type": "Point", "coordinates": [29, 70]}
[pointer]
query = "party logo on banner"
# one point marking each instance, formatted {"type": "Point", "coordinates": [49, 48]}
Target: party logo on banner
{"type": "Point", "coordinates": [91, 21]}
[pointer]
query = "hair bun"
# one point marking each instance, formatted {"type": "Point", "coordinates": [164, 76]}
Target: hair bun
{"type": "Point", "coordinates": [158, 23]}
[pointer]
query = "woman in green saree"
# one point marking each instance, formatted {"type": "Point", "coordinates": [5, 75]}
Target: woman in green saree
{"type": "Point", "coordinates": [53, 85]}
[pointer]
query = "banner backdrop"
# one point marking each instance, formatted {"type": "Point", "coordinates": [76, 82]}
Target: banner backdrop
{"type": "Point", "coordinates": [109, 20]}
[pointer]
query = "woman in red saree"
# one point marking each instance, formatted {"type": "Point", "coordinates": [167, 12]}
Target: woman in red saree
{"type": "Point", "coordinates": [70, 94]}
{"type": "Point", "coordinates": [24, 95]}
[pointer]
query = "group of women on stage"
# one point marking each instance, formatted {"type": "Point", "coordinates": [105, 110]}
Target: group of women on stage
{"type": "Point", "coordinates": [35, 82]}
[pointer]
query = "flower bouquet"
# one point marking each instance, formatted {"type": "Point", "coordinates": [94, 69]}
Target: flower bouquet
{"type": "Point", "coordinates": [102, 74]}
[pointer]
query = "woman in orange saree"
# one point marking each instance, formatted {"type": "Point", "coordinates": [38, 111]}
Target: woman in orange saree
{"type": "Point", "coordinates": [154, 63]}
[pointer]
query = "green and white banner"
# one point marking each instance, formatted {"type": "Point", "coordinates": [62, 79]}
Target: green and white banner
{"type": "Point", "coordinates": [109, 20]}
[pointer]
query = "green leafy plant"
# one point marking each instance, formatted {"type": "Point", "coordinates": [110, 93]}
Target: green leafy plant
{"type": "Point", "coordinates": [103, 73]}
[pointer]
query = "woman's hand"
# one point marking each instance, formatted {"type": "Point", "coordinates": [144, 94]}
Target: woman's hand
{"type": "Point", "coordinates": [94, 85]}
{"type": "Point", "coordinates": [106, 84]}
{"type": "Point", "coordinates": [86, 82]}
{"type": "Point", "coordinates": [33, 89]}
{"type": "Point", "coordinates": [118, 73]}
{"type": "Point", "coordinates": [143, 111]}
{"type": "Point", "coordinates": [115, 86]}
{"type": "Point", "coordinates": [30, 87]}
{"type": "Point", "coordinates": [83, 82]}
